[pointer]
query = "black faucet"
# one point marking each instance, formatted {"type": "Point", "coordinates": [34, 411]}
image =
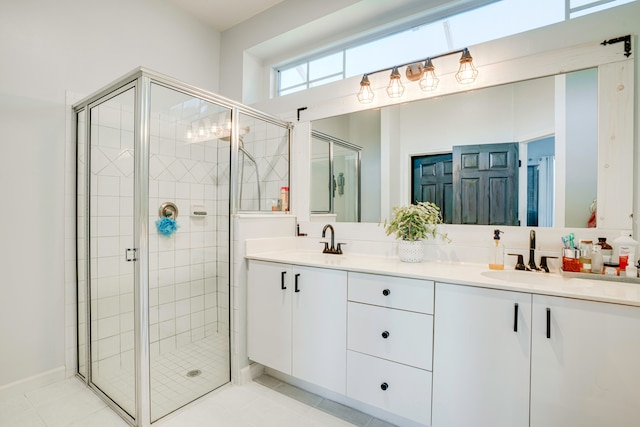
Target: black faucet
{"type": "Point", "coordinates": [331, 250]}
{"type": "Point", "coordinates": [532, 251]}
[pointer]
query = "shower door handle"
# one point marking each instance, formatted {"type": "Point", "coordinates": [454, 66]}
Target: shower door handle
{"type": "Point", "coordinates": [131, 254]}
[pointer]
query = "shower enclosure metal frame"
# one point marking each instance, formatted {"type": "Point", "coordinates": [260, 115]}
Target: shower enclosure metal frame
{"type": "Point", "coordinates": [141, 79]}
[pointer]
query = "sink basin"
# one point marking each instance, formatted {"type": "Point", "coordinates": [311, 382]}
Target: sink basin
{"type": "Point", "coordinates": [516, 276]}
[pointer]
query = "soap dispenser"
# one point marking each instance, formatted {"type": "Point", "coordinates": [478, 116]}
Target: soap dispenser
{"type": "Point", "coordinates": [496, 252]}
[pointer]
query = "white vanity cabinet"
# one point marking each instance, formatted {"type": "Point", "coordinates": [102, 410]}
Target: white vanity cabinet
{"type": "Point", "coordinates": [585, 367]}
{"type": "Point", "coordinates": [481, 357]}
{"type": "Point", "coordinates": [390, 344]}
{"type": "Point", "coordinates": [296, 321]}
{"type": "Point", "coordinates": [569, 363]}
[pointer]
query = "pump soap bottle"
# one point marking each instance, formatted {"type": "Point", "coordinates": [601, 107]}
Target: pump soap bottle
{"type": "Point", "coordinates": [496, 252]}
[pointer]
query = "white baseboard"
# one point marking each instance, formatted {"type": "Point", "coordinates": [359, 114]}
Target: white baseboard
{"type": "Point", "coordinates": [251, 372]}
{"type": "Point", "coordinates": [31, 383]}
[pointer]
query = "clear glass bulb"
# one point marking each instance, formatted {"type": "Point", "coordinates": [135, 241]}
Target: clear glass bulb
{"type": "Point", "coordinates": [395, 88]}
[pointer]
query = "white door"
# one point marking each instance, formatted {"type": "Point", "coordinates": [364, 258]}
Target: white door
{"type": "Point", "coordinates": [585, 369]}
{"type": "Point", "coordinates": [320, 327]}
{"type": "Point", "coordinates": [269, 291]}
{"type": "Point", "coordinates": [481, 357]}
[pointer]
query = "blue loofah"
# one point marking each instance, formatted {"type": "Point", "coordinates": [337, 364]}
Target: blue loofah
{"type": "Point", "coordinates": [166, 226]}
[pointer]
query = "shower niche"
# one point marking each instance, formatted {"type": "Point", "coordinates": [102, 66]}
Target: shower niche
{"type": "Point", "coordinates": [161, 167]}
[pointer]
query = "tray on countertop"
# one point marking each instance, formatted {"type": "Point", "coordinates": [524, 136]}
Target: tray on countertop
{"type": "Point", "coordinates": [592, 276]}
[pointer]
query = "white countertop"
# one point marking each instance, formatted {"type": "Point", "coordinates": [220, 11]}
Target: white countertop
{"type": "Point", "coordinates": [465, 274]}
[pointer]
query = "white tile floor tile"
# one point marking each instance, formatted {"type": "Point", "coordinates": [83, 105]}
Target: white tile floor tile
{"type": "Point", "coordinates": [69, 403]}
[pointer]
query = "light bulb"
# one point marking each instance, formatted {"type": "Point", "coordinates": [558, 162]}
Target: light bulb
{"type": "Point", "coordinates": [429, 80]}
{"type": "Point", "coordinates": [467, 73]}
{"type": "Point", "coordinates": [365, 96]}
{"type": "Point", "coordinates": [395, 88]}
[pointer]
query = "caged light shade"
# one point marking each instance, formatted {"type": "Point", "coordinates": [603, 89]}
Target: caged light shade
{"type": "Point", "coordinates": [429, 80]}
{"type": "Point", "coordinates": [395, 88]}
{"type": "Point", "coordinates": [467, 73]}
{"type": "Point", "coordinates": [365, 96]}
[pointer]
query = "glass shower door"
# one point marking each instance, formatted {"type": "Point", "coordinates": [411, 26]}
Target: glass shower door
{"type": "Point", "coordinates": [111, 210]}
{"type": "Point", "coordinates": [189, 169]}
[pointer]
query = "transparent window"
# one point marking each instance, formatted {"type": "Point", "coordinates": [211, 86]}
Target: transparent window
{"type": "Point", "coordinates": [325, 66]}
{"type": "Point", "coordinates": [597, 7]}
{"type": "Point", "coordinates": [293, 76]}
{"type": "Point", "coordinates": [396, 49]}
{"type": "Point", "coordinates": [505, 17]}
{"type": "Point", "coordinates": [496, 20]}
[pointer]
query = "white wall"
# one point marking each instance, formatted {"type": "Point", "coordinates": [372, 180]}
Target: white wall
{"type": "Point", "coordinates": [48, 48]}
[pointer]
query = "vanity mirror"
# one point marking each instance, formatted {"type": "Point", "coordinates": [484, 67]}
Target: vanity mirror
{"type": "Point", "coordinates": [420, 151]}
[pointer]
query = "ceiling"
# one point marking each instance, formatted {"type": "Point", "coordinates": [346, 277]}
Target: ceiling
{"type": "Point", "coordinates": [224, 14]}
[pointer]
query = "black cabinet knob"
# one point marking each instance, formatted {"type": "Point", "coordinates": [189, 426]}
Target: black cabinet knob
{"type": "Point", "coordinates": [384, 386]}
{"type": "Point", "coordinates": [386, 292]}
{"type": "Point", "coordinates": [385, 334]}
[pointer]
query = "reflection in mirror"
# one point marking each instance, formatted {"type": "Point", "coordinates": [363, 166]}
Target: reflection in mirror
{"type": "Point", "coordinates": [363, 130]}
{"type": "Point", "coordinates": [335, 178]}
{"type": "Point", "coordinates": [551, 120]}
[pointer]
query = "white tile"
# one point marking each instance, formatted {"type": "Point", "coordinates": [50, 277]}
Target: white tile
{"type": "Point", "coordinates": [167, 329]}
{"type": "Point", "coordinates": [166, 294]}
{"type": "Point", "coordinates": [183, 291]}
{"type": "Point", "coordinates": [109, 246]}
{"type": "Point", "coordinates": [166, 312]}
{"type": "Point", "coordinates": [183, 308]}
{"type": "Point", "coordinates": [108, 327]}
{"type": "Point", "coordinates": [108, 186]}
{"type": "Point", "coordinates": [101, 418]}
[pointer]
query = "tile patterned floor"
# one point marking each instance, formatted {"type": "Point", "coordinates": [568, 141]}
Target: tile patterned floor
{"type": "Point", "coordinates": [170, 386]}
{"type": "Point", "coordinates": [264, 403]}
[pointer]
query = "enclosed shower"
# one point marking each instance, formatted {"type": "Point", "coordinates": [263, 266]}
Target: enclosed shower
{"type": "Point", "coordinates": [160, 170]}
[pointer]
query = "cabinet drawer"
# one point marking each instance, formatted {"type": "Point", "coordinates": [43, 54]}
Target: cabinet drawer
{"type": "Point", "coordinates": [396, 335]}
{"type": "Point", "coordinates": [394, 292]}
{"type": "Point", "coordinates": [408, 390]}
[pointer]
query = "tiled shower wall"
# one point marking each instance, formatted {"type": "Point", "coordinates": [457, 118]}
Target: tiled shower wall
{"type": "Point", "coordinates": [189, 273]}
{"type": "Point", "coordinates": [269, 146]}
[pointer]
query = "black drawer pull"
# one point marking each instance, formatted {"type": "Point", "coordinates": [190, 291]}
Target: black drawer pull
{"type": "Point", "coordinates": [282, 286]}
{"type": "Point", "coordinates": [386, 292]}
{"type": "Point", "coordinates": [515, 317]}
{"type": "Point", "coordinates": [385, 334]}
{"type": "Point", "coordinates": [384, 386]}
{"type": "Point", "coordinates": [296, 280]}
{"type": "Point", "coordinates": [549, 323]}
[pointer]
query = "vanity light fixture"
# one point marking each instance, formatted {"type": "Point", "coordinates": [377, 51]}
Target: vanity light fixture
{"type": "Point", "coordinates": [395, 88]}
{"type": "Point", "coordinates": [365, 96]}
{"type": "Point", "coordinates": [424, 71]}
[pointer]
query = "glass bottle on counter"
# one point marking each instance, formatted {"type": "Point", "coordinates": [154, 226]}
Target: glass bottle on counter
{"type": "Point", "coordinates": [605, 249]}
{"type": "Point", "coordinates": [597, 261]}
{"type": "Point", "coordinates": [496, 252]}
{"type": "Point", "coordinates": [586, 248]}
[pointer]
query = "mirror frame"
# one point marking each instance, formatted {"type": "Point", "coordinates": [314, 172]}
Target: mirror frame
{"type": "Point", "coordinates": [615, 137]}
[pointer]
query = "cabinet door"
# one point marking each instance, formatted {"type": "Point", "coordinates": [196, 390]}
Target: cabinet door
{"type": "Point", "coordinates": [481, 360]}
{"type": "Point", "coordinates": [269, 314]}
{"type": "Point", "coordinates": [586, 371]}
{"type": "Point", "coordinates": [320, 327]}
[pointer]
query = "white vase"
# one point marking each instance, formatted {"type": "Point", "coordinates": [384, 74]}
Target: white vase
{"type": "Point", "coordinates": [411, 251]}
